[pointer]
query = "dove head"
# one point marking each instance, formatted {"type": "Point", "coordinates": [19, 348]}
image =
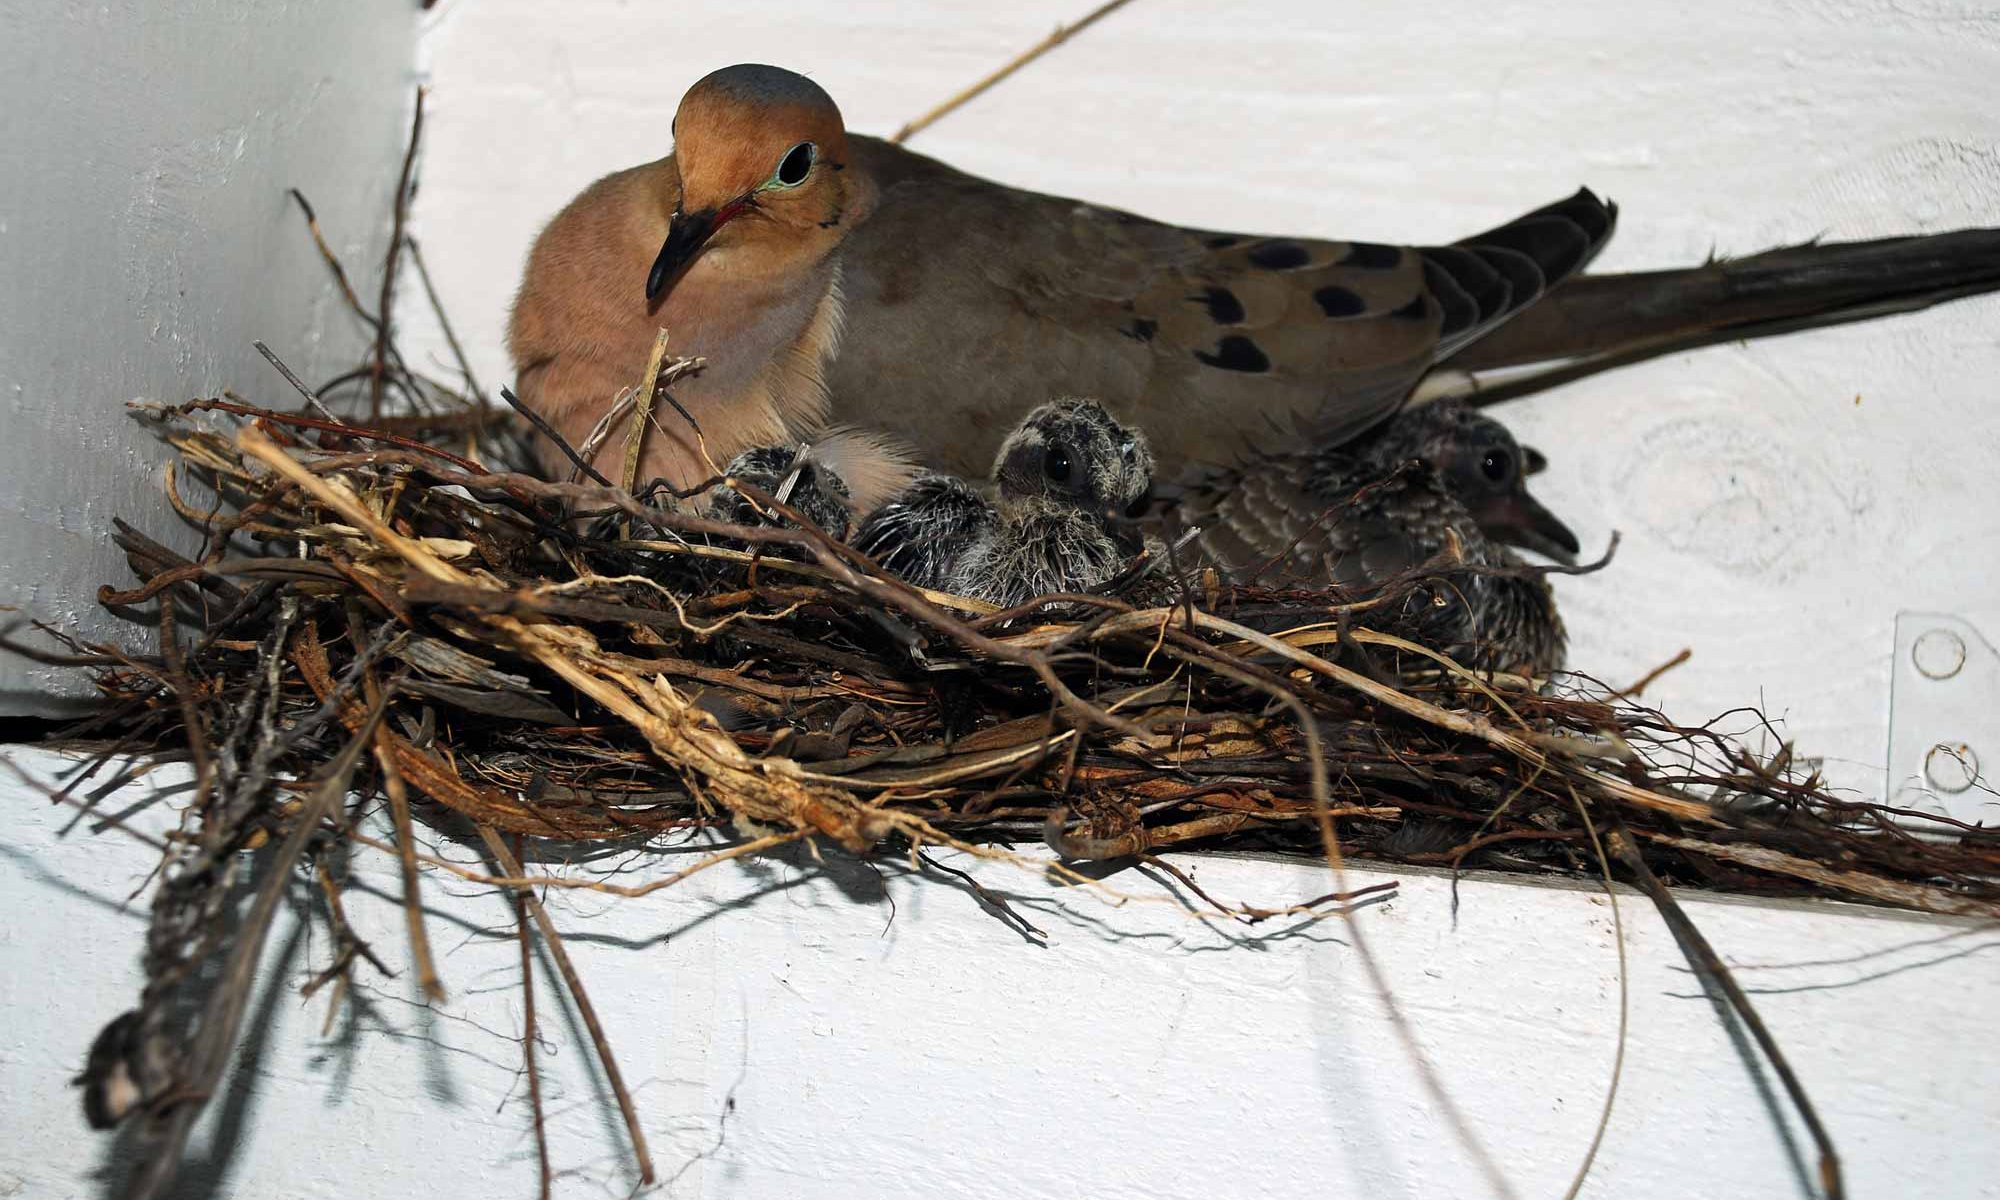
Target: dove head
{"type": "Point", "coordinates": [1074, 452]}
{"type": "Point", "coordinates": [760, 152]}
{"type": "Point", "coordinates": [1484, 467]}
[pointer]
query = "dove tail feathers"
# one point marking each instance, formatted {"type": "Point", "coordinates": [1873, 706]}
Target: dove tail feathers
{"type": "Point", "coordinates": [1596, 322]}
{"type": "Point", "coordinates": [1484, 281]}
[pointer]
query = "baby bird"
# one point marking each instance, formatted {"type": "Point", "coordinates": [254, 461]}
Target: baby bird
{"type": "Point", "coordinates": [796, 476]}
{"type": "Point", "coordinates": [1440, 480]}
{"type": "Point", "coordinates": [792, 475]}
{"type": "Point", "coordinates": [1066, 478]}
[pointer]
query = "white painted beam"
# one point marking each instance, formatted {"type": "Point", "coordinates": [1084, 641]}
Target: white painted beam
{"type": "Point", "coordinates": [792, 1029]}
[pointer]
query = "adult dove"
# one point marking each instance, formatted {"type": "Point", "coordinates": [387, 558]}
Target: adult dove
{"type": "Point", "coordinates": [838, 281]}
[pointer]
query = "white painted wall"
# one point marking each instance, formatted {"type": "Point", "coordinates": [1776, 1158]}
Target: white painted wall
{"type": "Point", "coordinates": [1771, 522]}
{"type": "Point", "coordinates": [881, 1039]}
{"type": "Point", "coordinates": [146, 239]}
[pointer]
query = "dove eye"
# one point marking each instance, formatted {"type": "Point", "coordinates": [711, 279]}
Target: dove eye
{"type": "Point", "coordinates": [795, 166]}
{"type": "Point", "coordinates": [1055, 463]}
{"type": "Point", "coordinates": [1497, 465]}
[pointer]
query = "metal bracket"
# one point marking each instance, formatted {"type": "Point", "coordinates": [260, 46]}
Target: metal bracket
{"type": "Point", "coordinates": [1944, 722]}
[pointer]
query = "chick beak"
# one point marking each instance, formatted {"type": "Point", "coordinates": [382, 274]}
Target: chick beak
{"type": "Point", "coordinates": [1533, 461]}
{"type": "Point", "coordinates": [1519, 519]}
{"type": "Point", "coordinates": [1140, 505]}
{"type": "Point", "coordinates": [687, 233]}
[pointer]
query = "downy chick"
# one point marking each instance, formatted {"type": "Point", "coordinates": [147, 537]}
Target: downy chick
{"type": "Point", "coordinates": [1066, 478]}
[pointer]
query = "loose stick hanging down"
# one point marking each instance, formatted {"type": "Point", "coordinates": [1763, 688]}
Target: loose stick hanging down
{"type": "Point", "coordinates": [379, 375]}
{"type": "Point", "coordinates": [510, 866]}
{"type": "Point", "coordinates": [1709, 966]}
{"type": "Point", "coordinates": [529, 1032]}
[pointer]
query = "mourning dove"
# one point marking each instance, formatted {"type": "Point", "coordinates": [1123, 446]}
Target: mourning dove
{"type": "Point", "coordinates": [1437, 486]}
{"type": "Point", "coordinates": [1066, 478]}
{"type": "Point", "coordinates": [834, 280]}
{"type": "Point", "coordinates": [939, 307]}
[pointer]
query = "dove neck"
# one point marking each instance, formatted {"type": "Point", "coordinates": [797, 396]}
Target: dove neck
{"type": "Point", "coordinates": [766, 343]}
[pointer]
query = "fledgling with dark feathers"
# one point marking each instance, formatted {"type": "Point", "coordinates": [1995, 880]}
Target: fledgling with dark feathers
{"type": "Point", "coordinates": [1068, 479]}
{"type": "Point", "coordinates": [1440, 484]}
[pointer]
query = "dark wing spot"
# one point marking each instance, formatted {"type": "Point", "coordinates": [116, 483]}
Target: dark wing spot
{"type": "Point", "coordinates": [1236, 353]}
{"type": "Point", "coordinates": [1141, 329]}
{"type": "Point", "coordinates": [1416, 310]}
{"type": "Point", "coordinates": [1372, 256]}
{"type": "Point", "coordinates": [1223, 306]}
{"type": "Point", "coordinates": [1222, 241]}
{"type": "Point", "coordinates": [1278, 255]}
{"type": "Point", "coordinates": [1339, 301]}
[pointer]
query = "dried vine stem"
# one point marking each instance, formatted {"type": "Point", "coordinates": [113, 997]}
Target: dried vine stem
{"type": "Point", "coordinates": [1061, 34]}
{"type": "Point", "coordinates": [1703, 958]}
{"type": "Point", "coordinates": [378, 380]}
{"type": "Point", "coordinates": [559, 954]}
{"type": "Point", "coordinates": [530, 1034]}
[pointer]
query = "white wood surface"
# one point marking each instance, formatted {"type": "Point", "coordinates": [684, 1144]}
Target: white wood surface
{"type": "Point", "coordinates": [791, 1031]}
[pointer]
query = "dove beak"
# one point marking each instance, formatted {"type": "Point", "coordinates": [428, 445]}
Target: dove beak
{"type": "Point", "coordinates": [687, 234]}
{"type": "Point", "coordinates": [1520, 520]}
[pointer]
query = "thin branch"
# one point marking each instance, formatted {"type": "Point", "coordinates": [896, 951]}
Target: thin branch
{"type": "Point", "coordinates": [444, 323]}
{"type": "Point", "coordinates": [312, 399]}
{"type": "Point", "coordinates": [1624, 1001]}
{"type": "Point", "coordinates": [1061, 34]}
{"type": "Point", "coordinates": [386, 304]}
{"type": "Point", "coordinates": [1706, 963]}
{"type": "Point", "coordinates": [549, 431]}
{"type": "Point", "coordinates": [530, 1034]}
{"type": "Point", "coordinates": [642, 412]}
{"type": "Point", "coordinates": [552, 940]}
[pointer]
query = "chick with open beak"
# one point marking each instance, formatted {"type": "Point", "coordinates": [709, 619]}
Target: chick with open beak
{"type": "Point", "coordinates": [1482, 465]}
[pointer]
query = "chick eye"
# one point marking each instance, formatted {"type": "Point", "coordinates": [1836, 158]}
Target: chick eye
{"type": "Point", "coordinates": [792, 169]}
{"type": "Point", "coordinates": [1055, 463]}
{"type": "Point", "coordinates": [1497, 465]}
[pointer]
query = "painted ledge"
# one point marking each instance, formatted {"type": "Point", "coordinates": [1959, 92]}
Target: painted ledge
{"type": "Point", "coordinates": [837, 1030]}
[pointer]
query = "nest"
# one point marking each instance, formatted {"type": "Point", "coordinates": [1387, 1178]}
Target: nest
{"type": "Point", "coordinates": [666, 671]}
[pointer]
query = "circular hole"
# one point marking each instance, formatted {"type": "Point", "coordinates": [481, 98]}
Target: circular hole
{"type": "Point", "coordinates": [1938, 653]}
{"type": "Point", "coordinates": [1951, 767]}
